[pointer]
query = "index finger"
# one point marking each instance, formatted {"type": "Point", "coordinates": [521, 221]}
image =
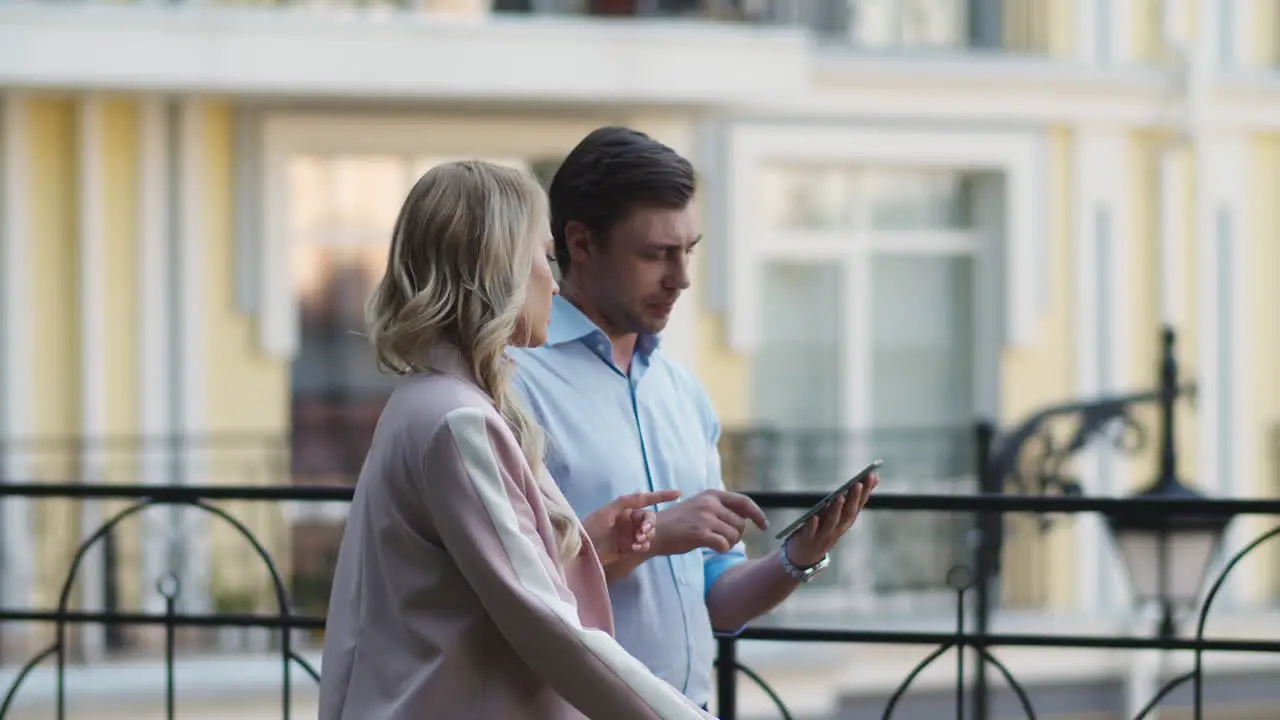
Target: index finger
{"type": "Point", "coordinates": [746, 507]}
{"type": "Point", "coordinates": [645, 499]}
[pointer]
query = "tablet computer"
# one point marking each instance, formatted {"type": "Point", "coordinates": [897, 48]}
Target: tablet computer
{"type": "Point", "coordinates": [830, 498]}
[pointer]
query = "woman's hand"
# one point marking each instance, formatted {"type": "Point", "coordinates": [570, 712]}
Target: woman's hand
{"type": "Point", "coordinates": [626, 525]}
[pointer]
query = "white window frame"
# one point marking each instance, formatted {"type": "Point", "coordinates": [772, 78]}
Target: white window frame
{"type": "Point", "coordinates": [1233, 23]}
{"type": "Point", "coordinates": [854, 252]}
{"type": "Point", "coordinates": [1017, 156]}
{"type": "Point", "coordinates": [1104, 31]}
{"type": "Point", "coordinates": [897, 42]}
{"type": "Point", "coordinates": [1018, 223]}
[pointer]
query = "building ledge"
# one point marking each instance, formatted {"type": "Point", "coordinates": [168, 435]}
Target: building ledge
{"type": "Point", "coordinates": [316, 52]}
{"type": "Point", "coordinates": [1013, 89]}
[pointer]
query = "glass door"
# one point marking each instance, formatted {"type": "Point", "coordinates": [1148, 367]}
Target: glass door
{"type": "Point", "coordinates": [871, 347]}
{"type": "Point", "coordinates": [922, 402]}
{"type": "Point", "coordinates": [797, 378]}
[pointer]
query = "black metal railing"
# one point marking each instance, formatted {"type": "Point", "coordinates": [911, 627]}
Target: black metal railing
{"type": "Point", "coordinates": [1022, 470]}
{"type": "Point", "coordinates": [965, 637]}
{"type": "Point", "coordinates": [913, 551]}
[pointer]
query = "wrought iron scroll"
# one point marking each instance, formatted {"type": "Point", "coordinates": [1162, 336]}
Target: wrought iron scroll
{"type": "Point", "coordinates": [169, 588]}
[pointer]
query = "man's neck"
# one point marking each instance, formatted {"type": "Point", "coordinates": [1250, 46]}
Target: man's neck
{"type": "Point", "coordinates": [623, 345]}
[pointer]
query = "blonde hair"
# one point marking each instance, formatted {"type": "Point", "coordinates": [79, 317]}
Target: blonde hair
{"type": "Point", "coordinates": [458, 272]}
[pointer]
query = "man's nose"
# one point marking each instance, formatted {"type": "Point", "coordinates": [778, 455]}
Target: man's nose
{"type": "Point", "coordinates": [678, 278]}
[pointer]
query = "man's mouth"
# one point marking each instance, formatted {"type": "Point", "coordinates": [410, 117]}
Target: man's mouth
{"type": "Point", "coordinates": [663, 308]}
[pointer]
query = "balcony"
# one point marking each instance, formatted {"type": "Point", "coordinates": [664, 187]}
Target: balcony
{"type": "Point", "coordinates": [430, 50]}
{"type": "Point", "coordinates": [684, 52]}
{"type": "Point", "coordinates": [227, 657]}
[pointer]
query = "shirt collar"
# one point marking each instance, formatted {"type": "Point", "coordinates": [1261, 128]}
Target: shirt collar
{"type": "Point", "coordinates": [569, 324]}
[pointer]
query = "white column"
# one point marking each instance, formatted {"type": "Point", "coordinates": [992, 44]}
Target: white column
{"type": "Point", "coordinates": [17, 571]}
{"type": "Point", "coordinates": [857, 411]}
{"type": "Point", "coordinates": [1225, 441]}
{"type": "Point", "coordinates": [1172, 183]}
{"type": "Point", "coordinates": [192, 385]}
{"type": "Point", "coordinates": [155, 376]}
{"type": "Point", "coordinates": [742, 230]}
{"type": "Point", "coordinates": [1087, 22]}
{"type": "Point", "coordinates": [278, 330]}
{"type": "Point", "coordinates": [1101, 310]}
{"type": "Point", "coordinates": [1104, 31]}
{"type": "Point", "coordinates": [91, 255]}
{"type": "Point", "coordinates": [1240, 19]}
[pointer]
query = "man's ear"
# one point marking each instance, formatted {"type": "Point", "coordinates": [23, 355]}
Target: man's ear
{"type": "Point", "coordinates": [577, 238]}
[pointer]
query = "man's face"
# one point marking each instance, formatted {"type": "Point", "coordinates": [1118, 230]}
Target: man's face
{"type": "Point", "coordinates": [636, 275]}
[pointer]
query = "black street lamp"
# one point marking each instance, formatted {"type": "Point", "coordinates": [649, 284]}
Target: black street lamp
{"type": "Point", "coordinates": [1167, 555]}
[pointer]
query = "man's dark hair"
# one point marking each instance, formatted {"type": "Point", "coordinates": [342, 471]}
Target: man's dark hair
{"type": "Point", "coordinates": [613, 171]}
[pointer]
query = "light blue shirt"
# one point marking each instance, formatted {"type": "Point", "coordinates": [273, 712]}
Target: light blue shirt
{"type": "Point", "coordinates": [612, 434]}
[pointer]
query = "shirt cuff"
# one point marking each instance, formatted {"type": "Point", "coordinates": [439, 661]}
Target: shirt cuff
{"type": "Point", "coordinates": [713, 566]}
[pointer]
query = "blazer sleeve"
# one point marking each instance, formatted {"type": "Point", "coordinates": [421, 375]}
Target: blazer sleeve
{"type": "Point", "coordinates": [477, 501]}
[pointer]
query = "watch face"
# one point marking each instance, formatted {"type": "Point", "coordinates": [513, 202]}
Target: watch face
{"type": "Point", "coordinates": [806, 574]}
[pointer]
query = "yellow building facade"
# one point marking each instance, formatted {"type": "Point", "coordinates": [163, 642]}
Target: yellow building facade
{"type": "Point", "coordinates": [166, 225]}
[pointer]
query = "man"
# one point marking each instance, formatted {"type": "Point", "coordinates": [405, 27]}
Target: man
{"type": "Point", "coordinates": [621, 417]}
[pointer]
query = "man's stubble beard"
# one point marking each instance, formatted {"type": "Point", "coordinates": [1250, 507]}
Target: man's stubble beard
{"type": "Point", "coordinates": [626, 321]}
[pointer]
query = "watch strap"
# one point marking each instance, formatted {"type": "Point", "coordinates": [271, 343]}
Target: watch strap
{"type": "Point", "coordinates": [805, 574]}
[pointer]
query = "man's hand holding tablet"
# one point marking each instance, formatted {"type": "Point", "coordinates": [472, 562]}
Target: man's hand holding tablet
{"type": "Point", "coordinates": [717, 519]}
{"type": "Point", "coordinates": [807, 541]}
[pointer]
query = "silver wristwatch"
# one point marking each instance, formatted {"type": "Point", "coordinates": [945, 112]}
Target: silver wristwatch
{"type": "Point", "coordinates": [802, 575]}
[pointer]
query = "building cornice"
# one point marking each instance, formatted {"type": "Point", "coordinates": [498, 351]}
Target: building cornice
{"type": "Point", "coordinates": [347, 57]}
{"type": "Point", "coordinates": [361, 55]}
{"type": "Point", "coordinates": [1023, 91]}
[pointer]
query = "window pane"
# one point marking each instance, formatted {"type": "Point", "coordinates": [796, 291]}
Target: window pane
{"type": "Point", "coordinates": [922, 342]}
{"type": "Point", "coordinates": [922, 387]}
{"type": "Point", "coordinates": [423, 164]}
{"type": "Point", "coordinates": [915, 199]}
{"type": "Point", "coordinates": [342, 210]}
{"type": "Point", "coordinates": [796, 371]}
{"type": "Point", "coordinates": [909, 23]}
{"type": "Point", "coordinates": [801, 197]}
{"type": "Point", "coordinates": [796, 380]}
{"type": "Point", "coordinates": [345, 200]}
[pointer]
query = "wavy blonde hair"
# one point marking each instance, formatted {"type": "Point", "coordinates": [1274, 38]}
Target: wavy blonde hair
{"type": "Point", "coordinates": [458, 272]}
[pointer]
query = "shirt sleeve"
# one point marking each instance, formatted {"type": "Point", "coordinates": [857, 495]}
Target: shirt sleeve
{"type": "Point", "coordinates": [714, 564]}
{"type": "Point", "coordinates": [479, 505]}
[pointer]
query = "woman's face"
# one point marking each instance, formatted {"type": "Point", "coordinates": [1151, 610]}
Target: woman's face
{"type": "Point", "coordinates": [531, 330]}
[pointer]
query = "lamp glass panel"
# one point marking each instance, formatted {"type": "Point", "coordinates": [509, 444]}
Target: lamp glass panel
{"type": "Point", "coordinates": [1188, 554]}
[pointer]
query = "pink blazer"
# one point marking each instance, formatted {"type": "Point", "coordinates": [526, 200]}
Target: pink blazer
{"type": "Point", "coordinates": [449, 601]}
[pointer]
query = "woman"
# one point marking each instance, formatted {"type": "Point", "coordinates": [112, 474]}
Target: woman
{"type": "Point", "coordinates": [465, 587]}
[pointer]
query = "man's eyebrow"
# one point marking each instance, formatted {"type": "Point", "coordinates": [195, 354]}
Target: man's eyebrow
{"type": "Point", "coordinates": [675, 244]}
